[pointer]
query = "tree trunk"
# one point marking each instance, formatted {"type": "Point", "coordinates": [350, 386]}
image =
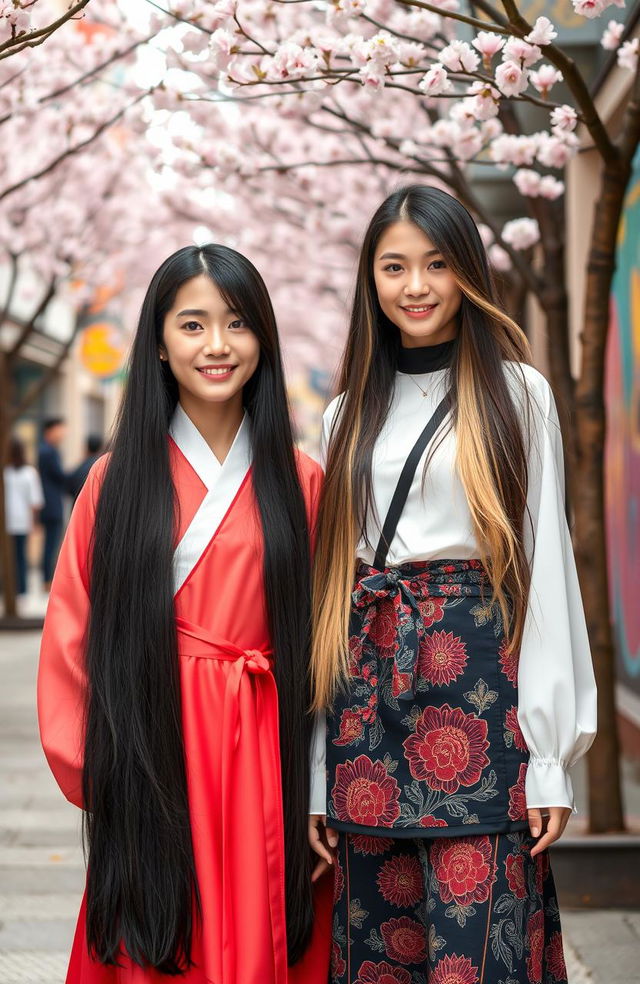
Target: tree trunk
{"type": "Point", "coordinates": [7, 559]}
{"type": "Point", "coordinates": [605, 800]}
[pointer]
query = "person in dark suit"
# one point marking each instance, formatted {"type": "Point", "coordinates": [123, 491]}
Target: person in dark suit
{"type": "Point", "coordinates": [78, 476]}
{"type": "Point", "coordinates": [54, 484]}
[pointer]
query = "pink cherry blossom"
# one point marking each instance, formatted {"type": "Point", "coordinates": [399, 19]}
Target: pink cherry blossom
{"type": "Point", "coordinates": [564, 118]}
{"type": "Point", "coordinates": [545, 78]}
{"type": "Point", "coordinates": [435, 81]}
{"type": "Point", "coordinates": [499, 258]}
{"type": "Point", "coordinates": [551, 187]}
{"type": "Point", "coordinates": [410, 54]}
{"type": "Point", "coordinates": [511, 79]}
{"type": "Point", "coordinates": [459, 57]}
{"type": "Point", "coordinates": [543, 32]}
{"type": "Point", "coordinates": [519, 51]}
{"type": "Point", "coordinates": [521, 233]}
{"type": "Point", "coordinates": [488, 44]}
{"type": "Point", "coordinates": [628, 54]}
{"type": "Point", "coordinates": [527, 182]}
{"type": "Point", "coordinates": [485, 101]}
{"type": "Point", "coordinates": [612, 35]}
{"type": "Point", "coordinates": [557, 150]}
{"type": "Point", "coordinates": [589, 8]}
{"type": "Point", "coordinates": [509, 148]}
{"type": "Point", "coordinates": [221, 45]}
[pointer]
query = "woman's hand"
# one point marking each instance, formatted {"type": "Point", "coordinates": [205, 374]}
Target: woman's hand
{"type": "Point", "coordinates": [323, 840]}
{"type": "Point", "coordinates": [548, 825]}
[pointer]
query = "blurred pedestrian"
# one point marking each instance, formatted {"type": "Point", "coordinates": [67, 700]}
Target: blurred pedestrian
{"type": "Point", "coordinates": [23, 497]}
{"type": "Point", "coordinates": [78, 477]}
{"type": "Point", "coordinates": [54, 484]}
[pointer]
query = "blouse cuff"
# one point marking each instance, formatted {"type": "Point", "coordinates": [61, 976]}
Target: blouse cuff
{"type": "Point", "coordinates": [318, 797]}
{"type": "Point", "coordinates": [548, 784]}
{"type": "Point", "coordinates": [318, 778]}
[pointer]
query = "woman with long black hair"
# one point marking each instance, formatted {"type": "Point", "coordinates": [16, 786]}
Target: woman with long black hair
{"type": "Point", "coordinates": [450, 647]}
{"type": "Point", "coordinates": [173, 684]}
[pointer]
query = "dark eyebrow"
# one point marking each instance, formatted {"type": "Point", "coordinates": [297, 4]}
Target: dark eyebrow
{"type": "Point", "coordinates": [401, 256]}
{"type": "Point", "coordinates": [192, 312]}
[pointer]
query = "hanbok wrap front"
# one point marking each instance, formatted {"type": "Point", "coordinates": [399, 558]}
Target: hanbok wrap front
{"type": "Point", "coordinates": [426, 738]}
{"type": "Point", "coordinates": [229, 713]}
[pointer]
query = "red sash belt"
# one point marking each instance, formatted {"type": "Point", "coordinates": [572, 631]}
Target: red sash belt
{"type": "Point", "coordinates": [195, 641]}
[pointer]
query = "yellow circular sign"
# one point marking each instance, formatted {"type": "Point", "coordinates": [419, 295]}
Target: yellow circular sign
{"type": "Point", "coordinates": [102, 349]}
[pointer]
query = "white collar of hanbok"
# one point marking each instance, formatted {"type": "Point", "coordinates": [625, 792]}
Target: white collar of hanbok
{"type": "Point", "coordinates": [222, 482]}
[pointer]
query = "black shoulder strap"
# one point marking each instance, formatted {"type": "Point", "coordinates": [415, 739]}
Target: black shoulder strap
{"type": "Point", "coordinates": [404, 483]}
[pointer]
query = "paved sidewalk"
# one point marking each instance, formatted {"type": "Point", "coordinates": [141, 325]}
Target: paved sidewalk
{"type": "Point", "coordinates": [41, 865]}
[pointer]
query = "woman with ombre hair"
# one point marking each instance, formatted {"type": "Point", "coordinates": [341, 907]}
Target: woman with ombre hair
{"type": "Point", "coordinates": [451, 661]}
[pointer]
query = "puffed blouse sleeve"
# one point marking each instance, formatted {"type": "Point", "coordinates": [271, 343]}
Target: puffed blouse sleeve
{"type": "Point", "coordinates": [556, 685]}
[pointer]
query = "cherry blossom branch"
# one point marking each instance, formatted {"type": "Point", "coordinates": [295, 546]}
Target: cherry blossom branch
{"type": "Point", "coordinates": [453, 15]}
{"type": "Point", "coordinates": [16, 44]}
{"type": "Point", "coordinates": [52, 165]}
{"type": "Point", "coordinates": [573, 78]}
{"type": "Point", "coordinates": [13, 280]}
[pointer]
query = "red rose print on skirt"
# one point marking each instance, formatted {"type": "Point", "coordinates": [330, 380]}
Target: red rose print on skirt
{"type": "Point", "coordinates": [404, 940]}
{"type": "Point", "coordinates": [509, 662]}
{"type": "Point", "coordinates": [351, 727]}
{"type": "Point", "coordinates": [463, 868]}
{"type": "Point", "coordinates": [365, 793]}
{"type": "Point", "coordinates": [442, 658]}
{"type": "Point", "coordinates": [447, 749]}
{"type": "Point", "coordinates": [383, 628]}
{"type": "Point", "coordinates": [431, 821]}
{"type": "Point", "coordinates": [338, 965]}
{"type": "Point", "coordinates": [555, 957]}
{"type": "Point", "coordinates": [512, 724]}
{"type": "Point", "coordinates": [382, 973]}
{"type": "Point", "coordinates": [454, 970]}
{"type": "Point", "coordinates": [514, 866]}
{"type": "Point", "coordinates": [431, 610]}
{"type": "Point", "coordinates": [517, 798]}
{"type": "Point", "coordinates": [400, 880]}
{"type": "Point", "coordinates": [368, 844]}
{"type": "Point", "coordinates": [542, 870]}
{"type": "Point", "coordinates": [535, 943]}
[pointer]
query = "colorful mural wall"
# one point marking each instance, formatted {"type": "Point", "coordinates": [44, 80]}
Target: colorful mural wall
{"type": "Point", "coordinates": [623, 441]}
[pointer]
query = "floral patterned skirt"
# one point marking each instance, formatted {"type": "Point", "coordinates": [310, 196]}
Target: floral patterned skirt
{"type": "Point", "coordinates": [465, 910]}
{"type": "Point", "coordinates": [425, 739]}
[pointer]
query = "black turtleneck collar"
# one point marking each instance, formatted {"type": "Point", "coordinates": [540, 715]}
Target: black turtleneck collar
{"type": "Point", "coordinates": [427, 358]}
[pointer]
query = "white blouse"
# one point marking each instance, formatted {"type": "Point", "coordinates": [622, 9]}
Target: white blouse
{"type": "Point", "coordinates": [556, 686]}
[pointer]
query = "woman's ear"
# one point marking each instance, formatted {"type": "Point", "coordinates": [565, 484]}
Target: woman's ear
{"type": "Point", "coordinates": [162, 352]}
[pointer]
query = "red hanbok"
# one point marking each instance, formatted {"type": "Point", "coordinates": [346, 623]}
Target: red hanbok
{"type": "Point", "coordinates": [230, 714]}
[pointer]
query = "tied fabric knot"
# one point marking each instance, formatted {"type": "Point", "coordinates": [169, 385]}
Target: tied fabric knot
{"type": "Point", "coordinates": [256, 662]}
{"type": "Point", "coordinates": [370, 591]}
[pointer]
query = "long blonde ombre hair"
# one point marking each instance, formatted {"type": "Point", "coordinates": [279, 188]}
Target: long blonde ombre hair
{"type": "Point", "coordinates": [491, 456]}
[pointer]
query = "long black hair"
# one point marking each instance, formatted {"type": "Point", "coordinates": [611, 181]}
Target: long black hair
{"type": "Point", "coordinates": [142, 892]}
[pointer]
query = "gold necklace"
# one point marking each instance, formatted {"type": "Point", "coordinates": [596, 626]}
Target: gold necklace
{"type": "Point", "coordinates": [416, 383]}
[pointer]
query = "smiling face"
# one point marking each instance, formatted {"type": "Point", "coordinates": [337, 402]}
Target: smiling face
{"type": "Point", "coordinates": [416, 289]}
{"type": "Point", "coordinates": [211, 350]}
